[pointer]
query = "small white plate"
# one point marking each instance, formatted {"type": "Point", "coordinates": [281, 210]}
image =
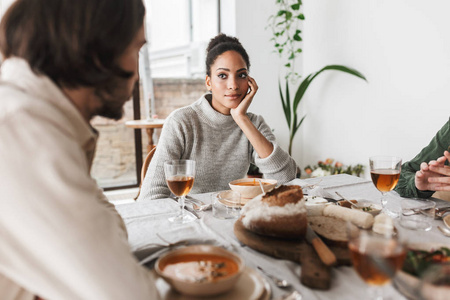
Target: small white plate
{"type": "Point", "coordinates": [250, 285]}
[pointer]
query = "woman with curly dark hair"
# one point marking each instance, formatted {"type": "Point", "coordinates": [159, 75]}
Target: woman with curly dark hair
{"type": "Point", "coordinates": [217, 131]}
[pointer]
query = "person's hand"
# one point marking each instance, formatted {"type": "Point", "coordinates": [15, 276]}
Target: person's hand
{"type": "Point", "coordinates": [241, 109]}
{"type": "Point", "coordinates": [442, 181]}
{"type": "Point", "coordinates": [434, 176]}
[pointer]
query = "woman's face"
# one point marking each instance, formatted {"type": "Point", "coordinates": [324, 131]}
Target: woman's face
{"type": "Point", "coordinates": [228, 82]}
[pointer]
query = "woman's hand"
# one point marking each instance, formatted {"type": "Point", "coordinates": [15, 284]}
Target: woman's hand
{"type": "Point", "coordinates": [434, 176]}
{"type": "Point", "coordinates": [241, 110]}
{"type": "Point", "coordinates": [259, 142]}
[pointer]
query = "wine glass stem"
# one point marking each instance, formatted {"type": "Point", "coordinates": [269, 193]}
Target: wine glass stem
{"type": "Point", "coordinates": [182, 200]}
{"type": "Point", "coordinates": [383, 200]}
{"type": "Point", "coordinates": [376, 293]}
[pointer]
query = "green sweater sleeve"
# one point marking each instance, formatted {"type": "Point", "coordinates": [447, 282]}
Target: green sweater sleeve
{"type": "Point", "coordinates": [440, 142]}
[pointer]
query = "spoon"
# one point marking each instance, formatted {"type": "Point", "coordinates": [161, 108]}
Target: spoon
{"type": "Point", "coordinates": [281, 283]}
{"type": "Point", "coordinates": [358, 206]}
{"type": "Point", "coordinates": [444, 231]}
{"type": "Point", "coordinates": [262, 188]}
{"type": "Point", "coordinates": [201, 207]}
{"type": "Point", "coordinates": [446, 220]}
{"type": "Point", "coordinates": [197, 204]}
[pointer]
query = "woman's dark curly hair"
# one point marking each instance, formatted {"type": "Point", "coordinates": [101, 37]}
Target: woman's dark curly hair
{"type": "Point", "coordinates": [74, 42]}
{"type": "Point", "coordinates": [220, 44]}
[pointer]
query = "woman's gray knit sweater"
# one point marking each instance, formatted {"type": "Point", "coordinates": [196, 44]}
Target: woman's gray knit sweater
{"type": "Point", "coordinates": [220, 149]}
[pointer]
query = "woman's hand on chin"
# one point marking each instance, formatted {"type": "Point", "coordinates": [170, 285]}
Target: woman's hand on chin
{"type": "Point", "coordinates": [241, 110]}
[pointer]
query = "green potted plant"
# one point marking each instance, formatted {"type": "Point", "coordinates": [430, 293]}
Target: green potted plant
{"type": "Point", "coordinates": [285, 25]}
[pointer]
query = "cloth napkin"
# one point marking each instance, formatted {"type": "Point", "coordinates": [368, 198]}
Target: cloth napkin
{"type": "Point", "coordinates": [319, 191]}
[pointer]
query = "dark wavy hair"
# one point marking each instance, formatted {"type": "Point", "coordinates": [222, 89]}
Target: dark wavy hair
{"type": "Point", "coordinates": [220, 44]}
{"type": "Point", "coordinates": [74, 42]}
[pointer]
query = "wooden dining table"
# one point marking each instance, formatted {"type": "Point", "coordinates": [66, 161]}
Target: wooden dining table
{"type": "Point", "coordinates": [150, 231]}
{"type": "Point", "coordinates": [149, 126]}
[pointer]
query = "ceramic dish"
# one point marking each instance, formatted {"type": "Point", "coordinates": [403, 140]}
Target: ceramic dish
{"type": "Point", "coordinates": [372, 208]}
{"type": "Point", "coordinates": [200, 270]}
{"type": "Point", "coordinates": [251, 286]}
{"type": "Point", "coordinates": [249, 188]}
{"type": "Point", "coordinates": [408, 284]}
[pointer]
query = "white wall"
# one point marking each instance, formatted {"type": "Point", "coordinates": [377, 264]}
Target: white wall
{"type": "Point", "coordinates": [401, 46]}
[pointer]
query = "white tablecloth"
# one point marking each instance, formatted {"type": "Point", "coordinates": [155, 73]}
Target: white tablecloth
{"type": "Point", "coordinates": [147, 223]}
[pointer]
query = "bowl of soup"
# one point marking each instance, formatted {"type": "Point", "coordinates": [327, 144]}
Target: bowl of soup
{"type": "Point", "coordinates": [249, 188]}
{"type": "Point", "coordinates": [200, 270]}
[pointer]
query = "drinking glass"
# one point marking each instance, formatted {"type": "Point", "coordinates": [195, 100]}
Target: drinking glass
{"type": "Point", "coordinates": [180, 179]}
{"type": "Point", "coordinates": [375, 257]}
{"type": "Point", "coordinates": [385, 173]}
{"type": "Point", "coordinates": [417, 214]}
{"type": "Point", "coordinates": [226, 204]}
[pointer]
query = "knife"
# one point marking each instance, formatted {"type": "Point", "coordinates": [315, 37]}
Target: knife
{"type": "Point", "coordinates": [322, 250]}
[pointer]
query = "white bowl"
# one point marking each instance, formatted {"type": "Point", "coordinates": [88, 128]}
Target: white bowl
{"type": "Point", "coordinates": [249, 192]}
{"type": "Point", "coordinates": [374, 210]}
{"type": "Point", "coordinates": [189, 286]}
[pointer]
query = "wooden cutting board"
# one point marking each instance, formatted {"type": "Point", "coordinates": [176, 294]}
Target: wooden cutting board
{"type": "Point", "coordinates": [314, 273]}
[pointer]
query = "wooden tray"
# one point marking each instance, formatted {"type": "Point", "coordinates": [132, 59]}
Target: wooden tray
{"type": "Point", "coordinates": [314, 273]}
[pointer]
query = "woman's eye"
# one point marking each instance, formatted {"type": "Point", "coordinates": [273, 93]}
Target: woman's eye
{"type": "Point", "coordinates": [243, 75]}
{"type": "Point", "coordinates": [222, 76]}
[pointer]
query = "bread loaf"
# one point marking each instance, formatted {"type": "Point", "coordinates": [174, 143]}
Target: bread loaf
{"type": "Point", "coordinates": [280, 213]}
{"type": "Point", "coordinates": [357, 217]}
{"type": "Point", "coordinates": [332, 230]}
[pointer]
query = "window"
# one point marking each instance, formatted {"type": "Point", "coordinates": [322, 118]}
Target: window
{"type": "Point", "coordinates": [177, 33]}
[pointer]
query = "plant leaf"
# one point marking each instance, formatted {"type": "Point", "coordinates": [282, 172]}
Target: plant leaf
{"type": "Point", "coordinates": [297, 126]}
{"type": "Point", "coordinates": [307, 81]}
{"type": "Point", "coordinates": [301, 91]}
{"type": "Point", "coordinates": [285, 105]}
{"type": "Point", "coordinates": [342, 69]}
{"type": "Point", "coordinates": [288, 102]}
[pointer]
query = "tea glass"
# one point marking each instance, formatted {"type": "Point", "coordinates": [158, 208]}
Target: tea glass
{"type": "Point", "coordinates": [226, 204]}
{"type": "Point", "coordinates": [417, 214]}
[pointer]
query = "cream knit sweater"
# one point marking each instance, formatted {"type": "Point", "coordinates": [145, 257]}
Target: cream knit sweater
{"type": "Point", "coordinates": [219, 147]}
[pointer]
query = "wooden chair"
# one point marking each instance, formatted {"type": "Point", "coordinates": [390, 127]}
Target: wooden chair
{"type": "Point", "coordinates": [144, 168]}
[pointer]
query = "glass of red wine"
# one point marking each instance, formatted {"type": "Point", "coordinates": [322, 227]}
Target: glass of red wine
{"type": "Point", "coordinates": [180, 179]}
{"type": "Point", "coordinates": [385, 173]}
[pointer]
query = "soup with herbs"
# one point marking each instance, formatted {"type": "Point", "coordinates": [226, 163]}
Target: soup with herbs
{"type": "Point", "coordinates": [251, 183]}
{"type": "Point", "coordinates": [199, 267]}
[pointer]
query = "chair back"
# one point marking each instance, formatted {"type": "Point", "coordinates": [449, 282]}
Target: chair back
{"type": "Point", "coordinates": [144, 168]}
{"type": "Point", "coordinates": [146, 163]}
